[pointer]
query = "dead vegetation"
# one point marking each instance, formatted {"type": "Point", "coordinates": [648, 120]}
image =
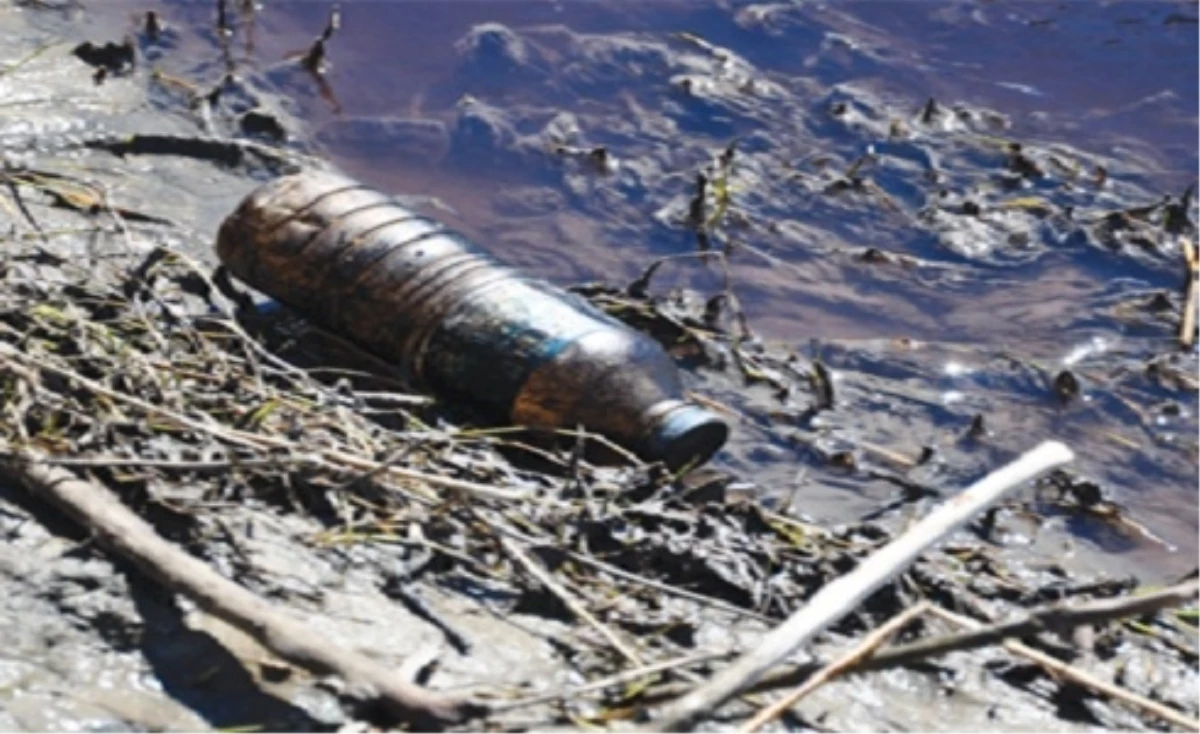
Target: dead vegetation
{"type": "Point", "coordinates": [159, 381]}
{"type": "Point", "coordinates": [152, 385]}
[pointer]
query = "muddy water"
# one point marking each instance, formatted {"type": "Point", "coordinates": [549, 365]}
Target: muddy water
{"type": "Point", "coordinates": [465, 101]}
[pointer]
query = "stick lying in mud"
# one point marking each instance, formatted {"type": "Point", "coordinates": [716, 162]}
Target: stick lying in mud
{"type": "Point", "coordinates": [568, 599]}
{"type": "Point", "coordinates": [846, 662]}
{"type": "Point", "coordinates": [839, 597]}
{"type": "Point", "coordinates": [1187, 325]}
{"type": "Point", "coordinates": [1052, 617]}
{"type": "Point", "coordinates": [121, 531]}
{"type": "Point", "coordinates": [1056, 616]}
{"type": "Point", "coordinates": [1059, 669]}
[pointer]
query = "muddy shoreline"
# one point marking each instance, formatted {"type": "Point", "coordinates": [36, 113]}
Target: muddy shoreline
{"type": "Point", "coordinates": [119, 187]}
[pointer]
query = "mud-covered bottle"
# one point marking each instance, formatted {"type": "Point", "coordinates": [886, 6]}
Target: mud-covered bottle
{"type": "Point", "coordinates": [456, 321]}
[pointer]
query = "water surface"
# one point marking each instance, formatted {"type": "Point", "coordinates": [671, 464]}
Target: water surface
{"type": "Point", "coordinates": [468, 101]}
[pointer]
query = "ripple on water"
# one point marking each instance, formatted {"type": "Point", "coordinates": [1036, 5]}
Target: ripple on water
{"type": "Point", "coordinates": [864, 211]}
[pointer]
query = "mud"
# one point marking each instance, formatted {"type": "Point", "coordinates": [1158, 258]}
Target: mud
{"type": "Point", "coordinates": [925, 301]}
{"type": "Point", "coordinates": [875, 195]}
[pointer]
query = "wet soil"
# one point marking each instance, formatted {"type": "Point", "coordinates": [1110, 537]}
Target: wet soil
{"type": "Point", "coordinates": [938, 251]}
{"type": "Point", "coordinates": [925, 301]}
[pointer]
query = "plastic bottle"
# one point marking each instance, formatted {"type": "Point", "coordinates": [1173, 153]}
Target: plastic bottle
{"type": "Point", "coordinates": [456, 321]}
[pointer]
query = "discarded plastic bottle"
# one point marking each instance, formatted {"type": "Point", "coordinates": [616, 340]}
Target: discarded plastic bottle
{"type": "Point", "coordinates": [456, 321]}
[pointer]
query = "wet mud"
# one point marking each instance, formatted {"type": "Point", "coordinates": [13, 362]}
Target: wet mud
{"type": "Point", "coordinates": [898, 176]}
{"type": "Point", "coordinates": [894, 254]}
{"type": "Point", "coordinates": [878, 192]}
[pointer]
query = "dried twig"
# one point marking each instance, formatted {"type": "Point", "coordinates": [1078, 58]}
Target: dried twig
{"type": "Point", "coordinates": [134, 462]}
{"type": "Point", "coordinates": [1062, 670]}
{"type": "Point", "coordinates": [121, 531]}
{"type": "Point", "coordinates": [577, 608]}
{"type": "Point", "coordinates": [708, 601]}
{"type": "Point", "coordinates": [1051, 617]}
{"type": "Point", "coordinates": [890, 657]}
{"type": "Point", "coordinates": [627, 676]}
{"type": "Point", "coordinates": [1187, 327]}
{"type": "Point", "coordinates": [846, 662]}
{"type": "Point", "coordinates": [837, 598]}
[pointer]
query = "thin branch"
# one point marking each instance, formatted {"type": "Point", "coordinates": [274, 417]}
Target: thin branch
{"type": "Point", "coordinates": [1060, 669]}
{"type": "Point", "coordinates": [844, 594]}
{"type": "Point", "coordinates": [577, 608]}
{"type": "Point", "coordinates": [1056, 616]}
{"type": "Point", "coordinates": [121, 531]}
{"type": "Point", "coordinates": [1051, 617]}
{"type": "Point", "coordinates": [846, 662]}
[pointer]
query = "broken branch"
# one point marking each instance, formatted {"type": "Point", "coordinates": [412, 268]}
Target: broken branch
{"type": "Point", "coordinates": [1051, 617]}
{"type": "Point", "coordinates": [568, 599]}
{"type": "Point", "coordinates": [1060, 669]}
{"type": "Point", "coordinates": [122, 532]}
{"type": "Point", "coordinates": [846, 662]}
{"type": "Point", "coordinates": [1187, 327]}
{"type": "Point", "coordinates": [838, 598]}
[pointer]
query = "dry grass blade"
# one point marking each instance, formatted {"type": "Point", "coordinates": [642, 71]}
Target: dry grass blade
{"type": "Point", "coordinates": [668, 588]}
{"type": "Point", "coordinates": [641, 580]}
{"type": "Point", "coordinates": [29, 57]}
{"type": "Point", "coordinates": [133, 462]}
{"type": "Point", "coordinates": [250, 440]}
{"type": "Point", "coordinates": [621, 678]}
